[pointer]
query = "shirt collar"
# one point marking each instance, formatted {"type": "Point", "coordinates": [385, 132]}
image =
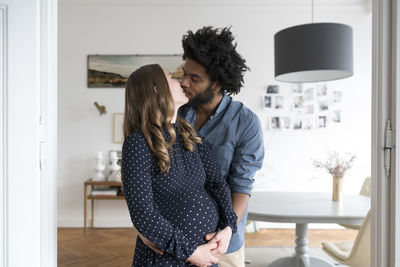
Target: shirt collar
{"type": "Point", "coordinates": [222, 105]}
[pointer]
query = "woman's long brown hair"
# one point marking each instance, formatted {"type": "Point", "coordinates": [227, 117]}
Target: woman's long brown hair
{"type": "Point", "coordinates": [149, 106]}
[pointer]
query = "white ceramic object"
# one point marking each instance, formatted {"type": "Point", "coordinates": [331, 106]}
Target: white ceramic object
{"type": "Point", "coordinates": [99, 176]}
{"type": "Point", "coordinates": [114, 167]}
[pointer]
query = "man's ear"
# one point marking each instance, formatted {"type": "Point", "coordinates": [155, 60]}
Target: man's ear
{"type": "Point", "coordinates": [155, 89]}
{"type": "Point", "coordinates": [217, 87]}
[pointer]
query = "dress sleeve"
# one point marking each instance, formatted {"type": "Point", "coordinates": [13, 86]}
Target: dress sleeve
{"type": "Point", "coordinates": [218, 188]}
{"type": "Point", "coordinates": [137, 165]}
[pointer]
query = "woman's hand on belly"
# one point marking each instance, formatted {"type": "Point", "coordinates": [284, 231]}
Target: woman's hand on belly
{"type": "Point", "coordinates": [202, 256]}
{"type": "Point", "coordinates": [222, 239]}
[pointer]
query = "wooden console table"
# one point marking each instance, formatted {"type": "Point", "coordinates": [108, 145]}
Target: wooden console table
{"type": "Point", "coordinates": [88, 195]}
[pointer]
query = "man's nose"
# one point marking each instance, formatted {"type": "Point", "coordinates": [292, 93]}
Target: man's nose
{"type": "Point", "coordinates": [185, 82]}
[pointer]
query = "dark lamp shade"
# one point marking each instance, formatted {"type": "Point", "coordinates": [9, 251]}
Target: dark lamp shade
{"type": "Point", "coordinates": [314, 52]}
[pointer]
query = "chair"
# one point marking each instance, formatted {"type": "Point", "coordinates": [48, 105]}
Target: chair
{"type": "Point", "coordinates": [365, 191]}
{"type": "Point", "coordinates": [366, 187]}
{"type": "Point", "coordinates": [353, 253]}
{"type": "Point", "coordinates": [251, 229]}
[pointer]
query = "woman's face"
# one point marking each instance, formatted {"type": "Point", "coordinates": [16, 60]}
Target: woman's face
{"type": "Point", "coordinates": [176, 90]}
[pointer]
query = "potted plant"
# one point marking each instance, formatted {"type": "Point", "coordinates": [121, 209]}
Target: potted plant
{"type": "Point", "coordinates": [337, 166]}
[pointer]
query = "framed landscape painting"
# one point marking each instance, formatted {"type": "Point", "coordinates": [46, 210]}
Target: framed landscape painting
{"type": "Point", "coordinates": [112, 71]}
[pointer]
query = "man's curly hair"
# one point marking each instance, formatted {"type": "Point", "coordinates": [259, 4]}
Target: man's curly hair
{"type": "Point", "coordinates": [215, 51]}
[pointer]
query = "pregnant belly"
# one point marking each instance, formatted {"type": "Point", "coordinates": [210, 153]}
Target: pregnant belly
{"type": "Point", "coordinates": [196, 215]}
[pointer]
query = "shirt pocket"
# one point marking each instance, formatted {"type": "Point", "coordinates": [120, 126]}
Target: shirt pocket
{"type": "Point", "coordinates": [223, 156]}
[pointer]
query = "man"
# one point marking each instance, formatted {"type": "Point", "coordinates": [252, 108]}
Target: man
{"type": "Point", "coordinates": [213, 70]}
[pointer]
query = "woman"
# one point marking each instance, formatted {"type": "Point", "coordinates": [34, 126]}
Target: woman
{"type": "Point", "coordinates": [172, 185]}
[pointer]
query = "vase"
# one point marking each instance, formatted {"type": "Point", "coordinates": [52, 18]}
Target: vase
{"type": "Point", "coordinates": [114, 167]}
{"type": "Point", "coordinates": [337, 188]}
{"type": "Point", "coordinates": [99, 176]}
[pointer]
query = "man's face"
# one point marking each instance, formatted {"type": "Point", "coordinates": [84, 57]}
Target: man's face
{"type": "Point", "coordinates": [197, 84]}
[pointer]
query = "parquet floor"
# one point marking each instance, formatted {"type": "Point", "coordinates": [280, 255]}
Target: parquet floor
{"type": "Point", "coordinates": [114, 247]}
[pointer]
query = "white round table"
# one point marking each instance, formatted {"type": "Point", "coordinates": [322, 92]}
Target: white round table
{"type": "Point", "coordinates": [303, 208]}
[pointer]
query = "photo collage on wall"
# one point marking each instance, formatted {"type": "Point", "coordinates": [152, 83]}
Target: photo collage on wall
{"type": "Point", "coordinates": [301, 106]}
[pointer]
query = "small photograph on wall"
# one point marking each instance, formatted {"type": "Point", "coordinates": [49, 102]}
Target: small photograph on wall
{"type": "Point", "coordinates": [278, 102]}
{"type": "Point", "coordinates": [274, 123]}
{"type": "Point", "coordinates": [112, 71]}
{"type": "Point", "coordinates": [308, 123]}
{"type": "Point", "coordinates": [272, 89]}
{"type": "Point", "coordinates": [284, 123]}
{"type": "Point", "coordinates": [297, 88]}
{"type": "Point", "coordinates": [309, 109]}
{"type": "Point", "coordinates": [267, 101]}
{"type": "Point", "coordinates": [323, 105]}
{"type": "Point", "coordinates": [309, 94]}
{"type": "Point", "coordinates": [297, 123]}
{"type": "Point", "coordinates": [118, 122]}
{"type": "Point", "coordinates": [322, 89]}
{"type": "Point", "coordinates": [337, 97]}
{"type": "Point", "coordinates": [298, 102]}
{"type": "Point", "coordinates": [322, 120]}
{"type": "Point", "coordinates": [336, 116]}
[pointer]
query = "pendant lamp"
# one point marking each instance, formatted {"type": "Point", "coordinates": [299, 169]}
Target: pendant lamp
{"type": "Point", "coordinates": [314, 52]}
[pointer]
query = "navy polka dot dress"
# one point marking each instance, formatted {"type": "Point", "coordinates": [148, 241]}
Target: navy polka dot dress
{"type": "Point", "coordinates": [175, 210]}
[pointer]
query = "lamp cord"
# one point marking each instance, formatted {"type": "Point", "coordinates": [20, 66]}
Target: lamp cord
{"type": "Point", "coordinates": [312, 11]}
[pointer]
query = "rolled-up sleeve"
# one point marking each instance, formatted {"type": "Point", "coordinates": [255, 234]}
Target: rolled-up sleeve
{"type": "Point", "coordinates": [248, 156]}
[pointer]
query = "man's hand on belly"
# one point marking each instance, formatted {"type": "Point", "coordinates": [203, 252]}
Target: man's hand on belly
{"type": "Point", "coordinates": [148, 243]}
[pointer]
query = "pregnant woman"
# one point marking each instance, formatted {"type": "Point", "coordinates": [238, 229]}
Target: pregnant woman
{"type": "Point", "coordinates": [172, 185]}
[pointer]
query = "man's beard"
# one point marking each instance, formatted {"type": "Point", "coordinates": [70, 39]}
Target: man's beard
{"type": "Point", "coordinates": [202, 98]}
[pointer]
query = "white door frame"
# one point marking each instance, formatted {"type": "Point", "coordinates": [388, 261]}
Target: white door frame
{"type": "Point", "coordinates": [28, 179]}
{"type": "Point", "coordinates": [48, 126]}
{"type": "Point", "coordinates": [3, 136]}
{"type": "Point", "coordinates": [395, 186]}
{"type": "Point", "coordinates": [395, 116]}
{"type": "Point", "coordinates": [385, 209]}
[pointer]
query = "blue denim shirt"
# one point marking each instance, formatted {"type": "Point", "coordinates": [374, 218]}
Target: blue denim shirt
{"type": "Point", "coordinates": [236, 138]}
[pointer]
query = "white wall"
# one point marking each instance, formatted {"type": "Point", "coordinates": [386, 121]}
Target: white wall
{"type": "Point", "coordinates": [94, 27]}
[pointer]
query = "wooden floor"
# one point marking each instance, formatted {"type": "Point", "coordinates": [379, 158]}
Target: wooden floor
{"type": "Point", "coordinates": [114, 246]}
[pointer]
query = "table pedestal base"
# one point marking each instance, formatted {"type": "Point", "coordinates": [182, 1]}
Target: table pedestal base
{"type": "Point", "coordinates": [292, 262]}
{"type": "Point", "coordinates": [301, 257]}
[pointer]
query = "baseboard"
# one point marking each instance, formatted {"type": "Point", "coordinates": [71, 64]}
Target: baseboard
{"type": "Point", "coordinates": [122, 222]}
{"type": "Point", "coordinates": [268, 225]}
